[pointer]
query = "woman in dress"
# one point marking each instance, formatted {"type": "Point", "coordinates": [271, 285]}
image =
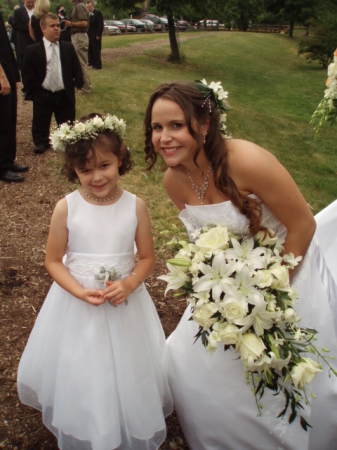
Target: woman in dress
{"type": "Point", "coordinates": [95, 362]}
{"type": "Point", "coordinates": [238, 184]}
{"type": "Point", "coordinates": [41, 8]}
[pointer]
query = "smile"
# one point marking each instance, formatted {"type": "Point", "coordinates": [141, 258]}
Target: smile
{"type": "Point", "coordinates": [170, 150]}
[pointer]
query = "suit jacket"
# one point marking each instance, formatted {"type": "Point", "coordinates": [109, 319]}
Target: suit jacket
{"type": "Point", "coordinates": [35, 68]}
{"type": "Point", "coordinates": [96, 25]}
{"type": "Point", "coordinates": [7, 58]}
{"type": "Point", "coordinates": [20, 25]}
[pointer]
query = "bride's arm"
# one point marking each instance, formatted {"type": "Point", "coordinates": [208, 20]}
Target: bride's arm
{"type": "Point", "coordinates": [255, 170]}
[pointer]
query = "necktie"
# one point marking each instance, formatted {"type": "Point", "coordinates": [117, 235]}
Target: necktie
{"type": "Point", "coordinates": [54, 80]}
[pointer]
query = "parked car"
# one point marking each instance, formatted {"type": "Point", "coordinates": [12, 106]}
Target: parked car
{"type": "Point", "coordinates": [121, 26]}
{"type": "Point", "coordinates": [158, 24]}
{"type": "Point", "coordinates": [210, 24]}
{"type": "Point", "coordinates": [165, 22]}
{"type": "Point", "coordinates": [140, 26]}
{"type": "Point", "coordinates": [149, 25]}
{"type": "Point", "coordinates": [111, 29]}
{"type": "Point", "coordinates": [182, 25]}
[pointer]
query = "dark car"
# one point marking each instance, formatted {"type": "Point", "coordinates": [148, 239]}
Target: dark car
{"type": "Point", "coordinates": [148, 24]}
{"type": "Point", "coordinates": [140, 26]}
{"type": "Point", "coordinates": [158, 24]}
{"type": "Point", "coordinates": [121, 26]}
{"type": "Point", "coordinates": [182, 25]}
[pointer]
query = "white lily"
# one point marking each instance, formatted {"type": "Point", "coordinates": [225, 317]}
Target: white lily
{"type": "Point", "coordinates": [246, 255]}
{"type": "Point", "coordinates": [176, 278]}
{"type": "Point", "coordinates": [216, 276]}
{"type": "Point", "coordinates": [259, 318]}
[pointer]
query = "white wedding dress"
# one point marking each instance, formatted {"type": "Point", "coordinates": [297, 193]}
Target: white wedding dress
{"type": "Point", "coordinates": [215, 406]}
{"type": "Point", "coordinates": [98, 374]}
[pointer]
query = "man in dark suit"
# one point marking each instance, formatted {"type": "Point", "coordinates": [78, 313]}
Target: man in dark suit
{"type": "Point", "coordinates": [21, 19]}
{"type": "Point", "coordinates": [95, 31]}
{"type": "Point", "coordinates": [9, 76]}
{"type": "Point", "coordinates": [51, 70]}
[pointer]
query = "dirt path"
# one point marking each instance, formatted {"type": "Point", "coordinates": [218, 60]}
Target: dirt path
{"type": "Point", "coordinates": [24, 222]}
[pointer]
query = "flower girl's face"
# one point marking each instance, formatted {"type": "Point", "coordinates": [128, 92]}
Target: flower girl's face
{"type": "Point", "coordinates": [171, 137]}
{"type": "Point", "coordinates": [100, 174]}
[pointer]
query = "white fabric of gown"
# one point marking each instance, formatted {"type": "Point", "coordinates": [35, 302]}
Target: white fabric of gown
{"type": "Point", "coordinates": [215, 406]}
{"type": "Point", "coordinates": [98, 374]}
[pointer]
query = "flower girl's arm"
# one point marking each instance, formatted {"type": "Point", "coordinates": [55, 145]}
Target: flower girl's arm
{"type": "Point", "coordinates": [56, 248]}
{"type": "Point", "coordinates": [118, 291]}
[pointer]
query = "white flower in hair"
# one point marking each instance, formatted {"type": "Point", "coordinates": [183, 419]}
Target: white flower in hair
{"type": "Point", "coordinates": [67, 134]}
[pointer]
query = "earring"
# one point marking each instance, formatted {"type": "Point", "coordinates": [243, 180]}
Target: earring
{"type": "Point", "coordinates": [205, 138]}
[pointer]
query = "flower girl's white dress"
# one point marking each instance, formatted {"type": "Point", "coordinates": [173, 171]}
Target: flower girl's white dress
{"type": "Point", "coordinates": [98, 373]}
{"type": "Point", "coordinates": [215, 406]}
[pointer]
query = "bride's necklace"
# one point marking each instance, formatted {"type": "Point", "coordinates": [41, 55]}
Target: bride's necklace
{"type": "Point", "coordinates": [101, 199]}
{"type": "Point", "coordinates": [200, 190]}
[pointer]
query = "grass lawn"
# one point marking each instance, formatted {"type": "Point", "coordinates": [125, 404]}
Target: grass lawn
{"type": "Point", "coordinates": [272, 92]}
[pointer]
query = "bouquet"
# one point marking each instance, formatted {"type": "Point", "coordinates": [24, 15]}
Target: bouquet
{"type": "Point", "coordinates": [327, 108]}
{"type": "Point", "coordinates": [240, 294]}
{"type": "Point", "coordinates": [105, 275]}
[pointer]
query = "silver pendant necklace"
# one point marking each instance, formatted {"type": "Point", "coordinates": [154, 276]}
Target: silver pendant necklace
{"type": "Point", "coordinates": [101, 200]}
{"type": "Point", "coordinates": [200, 190]}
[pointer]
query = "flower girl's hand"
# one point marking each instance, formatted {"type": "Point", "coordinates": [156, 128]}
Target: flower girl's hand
{"type": "Point", "coordinates": [117, 292]}
{"type": "Point", "coordinates": [94, 297]}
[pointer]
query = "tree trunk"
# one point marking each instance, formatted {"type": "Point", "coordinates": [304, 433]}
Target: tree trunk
{"type": "Point", "coordinates": [173, 40]}
{"type": "Point", "coordinates": [291, 29]}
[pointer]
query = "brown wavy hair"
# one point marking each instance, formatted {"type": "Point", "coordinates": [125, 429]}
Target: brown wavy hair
{"type": "Point", "coordinates": [76, 155]}
{"type": "Point", "coordinates": [192, 102]}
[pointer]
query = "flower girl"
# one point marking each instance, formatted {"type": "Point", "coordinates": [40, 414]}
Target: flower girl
{"type": "Point", "coordinates": [95, 361]}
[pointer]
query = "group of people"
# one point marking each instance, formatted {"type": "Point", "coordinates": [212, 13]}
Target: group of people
{"type": "Point", "coordinates": [96, 363]}
{"type": "Point", "coordinates": [52, 54]}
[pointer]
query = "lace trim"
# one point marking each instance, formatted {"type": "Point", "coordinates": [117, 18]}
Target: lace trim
{"type": "Point", "coordinates": [90, 265]}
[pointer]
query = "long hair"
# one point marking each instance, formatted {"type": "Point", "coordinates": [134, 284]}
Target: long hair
{"type": "Point", "coordinates": [41, 8]}
{"type": "Point", "coordinates": [192, 102]}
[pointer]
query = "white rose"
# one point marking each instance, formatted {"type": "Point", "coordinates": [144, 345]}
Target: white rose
{"type": "Point", "coordinates": [80, 127]}
{"type": "Point", "coordinates": [263, 278]}
{"type": "Point", "coordinates": [229, 334]}
{"type": "Point", "coordinates": [266, 238]}
{"type": "Point", "coordinates": [214, 239]}
{"type": "Point", "coordinates": [290, 315]}
{"type": "Point", "coordinates": [281, 275]}
{"type": "Point", "coordinates": [98, 122]}
{"type": "Point", "coordinates": [233, 310]}
{"type": "Point", "coordinates": [250, 346]}
{"type": "Point", "coordinates": [203, 315]}
{"type": "Point", "coordinates": [304, 372]}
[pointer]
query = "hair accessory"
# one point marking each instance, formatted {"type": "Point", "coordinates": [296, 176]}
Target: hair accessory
{"type": "Point", "coordinates": [200, 190]}
{"type": "Point", "coordinates": [214, 91]}
{"type": "Point", "coordinates": [67, 134]}
{"type": "Point", "coordinates": [101, 199]}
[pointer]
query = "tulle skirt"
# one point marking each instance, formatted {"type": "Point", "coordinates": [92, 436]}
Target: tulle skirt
{"type": "Point", "coordinates": [98, 374]}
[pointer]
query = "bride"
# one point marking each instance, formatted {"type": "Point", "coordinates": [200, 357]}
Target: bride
{"type": "Point", "coordinates": [238, 184]}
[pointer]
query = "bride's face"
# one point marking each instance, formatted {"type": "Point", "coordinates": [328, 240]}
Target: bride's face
{"type": "Point", "coordinates": [171, 137]}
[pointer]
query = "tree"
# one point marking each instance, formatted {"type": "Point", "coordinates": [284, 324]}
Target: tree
{"type": "Point", "coordinates": [323, 42]}
{"type": "Point", "coordinates": [300, 11]}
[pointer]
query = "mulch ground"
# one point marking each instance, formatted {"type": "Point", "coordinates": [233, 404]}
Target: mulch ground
{"type": "Point", "coordinates": [24, 282]}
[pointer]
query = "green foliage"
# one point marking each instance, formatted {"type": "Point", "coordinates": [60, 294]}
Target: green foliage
{"type": "Point", "coordinates": [321, 45]}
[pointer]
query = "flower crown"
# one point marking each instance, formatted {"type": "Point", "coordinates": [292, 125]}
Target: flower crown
{"type": "Point", "coordinates": [67, 134]}
{"type": "Point", "coordinates": [214, 91]}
